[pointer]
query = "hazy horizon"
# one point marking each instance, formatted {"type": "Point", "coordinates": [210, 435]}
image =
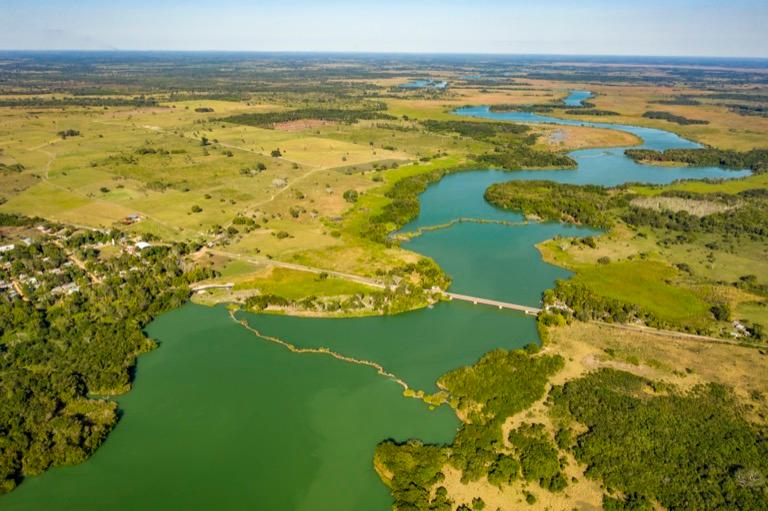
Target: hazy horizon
{"type": "Point", "coordinates": [380, 53]}
{"type": "Point", "coordinates": [672, 28]}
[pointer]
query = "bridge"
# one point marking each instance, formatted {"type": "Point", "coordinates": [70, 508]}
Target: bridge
{"type": "Point", "coordinates": [533, 311]}
{"type": "Point", "coordinates": [203, 287]}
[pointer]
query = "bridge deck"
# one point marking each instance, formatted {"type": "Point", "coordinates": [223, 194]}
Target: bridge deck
{"type": "Point", "coordinates": [495, 303]}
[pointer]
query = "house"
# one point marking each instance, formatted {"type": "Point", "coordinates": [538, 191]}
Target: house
{"type": "Point", "coordinates": [141, 245]}
{"type": "Point", "coordinates": [66, 289]}
{"type": "Point", "coordinates": [132, 219]}
{"type": "Point", "coordinates": [7, 248]}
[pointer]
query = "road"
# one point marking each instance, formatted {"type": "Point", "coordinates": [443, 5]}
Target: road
{"type": "Point", "coordinates": [373, 282]}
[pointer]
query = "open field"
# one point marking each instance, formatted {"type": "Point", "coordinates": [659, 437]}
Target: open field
{"type": "Point", "coordinates": [726, 129]}
{"type": "Point", "coordinates": [686, 363]}
{"type": "Point", "coordinates": [152, 162]}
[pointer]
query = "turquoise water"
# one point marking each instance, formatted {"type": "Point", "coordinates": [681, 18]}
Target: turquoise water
{"type": "Point", "coordinates": [577, 97]}
{"type": "Point", "coordinates": [425, 84]}
{"type": "Point", "coordinates": [220, 419]}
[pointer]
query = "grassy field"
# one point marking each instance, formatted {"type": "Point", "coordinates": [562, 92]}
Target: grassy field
{"type": "Point", "coordinates": [650, 284]}
{"type": "Point", "coordinates": [732, 186]}
{"type": "Point", "coordinates": [294, 284]}
{"type": "Point", "coordinates": [189, 176]}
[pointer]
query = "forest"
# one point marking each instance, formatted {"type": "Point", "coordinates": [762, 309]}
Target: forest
{"type": "Point", "coordinates": [587, 205]}
{"type": "Point", "coordinates": [677, 119]}
{"type": "Point", "coordinates": [755, 160]}
{"type": "Point", "coordinates": [499, 385]}
{"type": "Point", "coordinates": [348, 116]}
{"type": "Point", "coordinates": [652, 442]}
{"type": "Point", "coordinates": [648, 442]}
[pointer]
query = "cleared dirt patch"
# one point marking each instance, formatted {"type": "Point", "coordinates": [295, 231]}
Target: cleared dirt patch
{"type": "Point", "coordinates": [568, 138]}
{"type": "Point", "coordinates": [301, 124]}
{"type": "Point", "coordinates": [693, 207]}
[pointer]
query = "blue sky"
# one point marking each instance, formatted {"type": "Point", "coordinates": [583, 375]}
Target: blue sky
{"type": "Point", "coordinates": [617, 27]}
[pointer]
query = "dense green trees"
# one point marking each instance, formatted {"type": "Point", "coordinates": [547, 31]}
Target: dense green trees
{"type": "Point", "coordinates": [502, 383]}
{"type": "Point", "coordinates": [679, 100]}
{"type": "Point", "coordinates": [591, 111]}
{"type": "Point", "coordinates": [691, 450]}
{"type": "Point", "coordinates": [58, 350]}
{"type": "Point", "coordinates": [539, 459]}
{"type": "Point", "coordinates": [521, 155]}
{"type": "Point", "coordinates": [350, 115]}
{"type": "Point", "coordinates": [755, 160]}
{"type": "Point", "coordinates": [414, 469]}
{"type": "Point", "coordinates": [647, 442]}
{"type": "Point", "coordinates": [475, 129]}
{"type": "Point", "coordinates": [548, 200]}
{"type": "Point", "coordinates": [54, 102]}
{"type": "Point", "coordinates": [667, 116]}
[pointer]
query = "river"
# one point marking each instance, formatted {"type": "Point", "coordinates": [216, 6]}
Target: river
{"type": "Point", "coordinates": [220, 419]}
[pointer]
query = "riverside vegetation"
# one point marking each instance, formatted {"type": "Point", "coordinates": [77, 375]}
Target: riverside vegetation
{"type": "Point", "coordinates": [715, 222]}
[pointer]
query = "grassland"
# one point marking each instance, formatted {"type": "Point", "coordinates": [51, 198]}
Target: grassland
{"type": "Point", "coordinates": [190, 176]}
{"type": "Point", "coordinates": [726, 129]}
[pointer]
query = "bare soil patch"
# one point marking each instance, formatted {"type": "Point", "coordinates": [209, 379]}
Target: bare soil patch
{"type": "Point", "coordinates": [301, 124]}
{"type": "Point", "coordinates": [694, 207]}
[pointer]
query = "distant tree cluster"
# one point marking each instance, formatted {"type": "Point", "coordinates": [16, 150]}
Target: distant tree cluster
{"type": "Point", "coordinates": [106, 101]}
{"type": "Point", "coordinates": [269, 119]}
{"type": "Point", "coordinates": [678, 119]}
{"type": "Point", "coordinates": [591, 111]}
{"type": "Point", "coordinates": [756, 160]}
{"type": "Point", "coordinates": [475, 129]}
{"type": "Point", "coordinates": [588, 205]}
{"type": "Point", "coordinates": [11, 169]}
{"type": "Point", "coordinates": [68, 133]}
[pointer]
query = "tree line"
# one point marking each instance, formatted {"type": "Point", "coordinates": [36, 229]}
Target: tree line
{"type": "Point", "coordinates": [347, 116]}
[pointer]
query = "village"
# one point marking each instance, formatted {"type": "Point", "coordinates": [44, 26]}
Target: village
{"type": "Point", "coordinates": [41, 261]}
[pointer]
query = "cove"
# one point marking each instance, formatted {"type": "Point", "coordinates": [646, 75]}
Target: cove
{"type": "Point", "coordinates": [221, 419]}
{"type": "Point", "coordinates": [577, 97]}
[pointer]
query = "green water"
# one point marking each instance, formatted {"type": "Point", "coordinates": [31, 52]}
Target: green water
{"type": "Point", "coordinates": [221, 419]}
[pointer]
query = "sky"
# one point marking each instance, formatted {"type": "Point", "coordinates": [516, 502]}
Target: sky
{"type": "Point", "coordinates": [731, 28]}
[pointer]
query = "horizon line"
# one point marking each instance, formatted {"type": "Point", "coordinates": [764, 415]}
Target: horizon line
{"type": "Point", "coordinates": [375, 52]}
